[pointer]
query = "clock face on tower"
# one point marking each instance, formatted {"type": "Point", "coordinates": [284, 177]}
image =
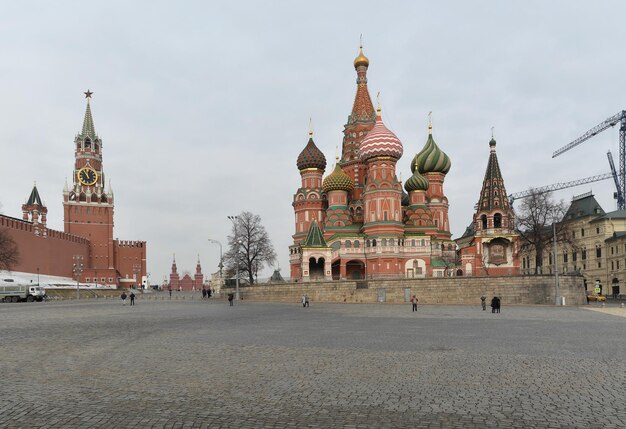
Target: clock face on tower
{"type": "Point", "coordinates": [87, 176]}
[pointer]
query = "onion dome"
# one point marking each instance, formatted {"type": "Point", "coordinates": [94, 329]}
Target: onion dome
{"type": "Point", "coordinates": [361, 60]}
{"type": "Point", "coordinates": [311, 156]}
{"type": "Point", "coordinates": [337, 181]}
{"type": "Point", "coordinates": [431, 159]}
{"type": "Point", "coordinates": [380, 142]}
{"type": "Point", "coordinates": [416, 182]}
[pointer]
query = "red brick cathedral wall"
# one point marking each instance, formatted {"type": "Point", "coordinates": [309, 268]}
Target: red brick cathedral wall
{"type": "Point", "coordinates": [53, 254]}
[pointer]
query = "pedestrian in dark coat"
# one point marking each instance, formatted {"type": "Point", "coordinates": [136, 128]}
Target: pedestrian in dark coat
{"type": "Point", "coordinates": [132, 298]}
{"type": "Point", "coordinates": [123, 298]}
{"type": "Point", "coordinates": [497, 304]}
{"type": "Point", "coordinates": [203, 292]}
{"type": "Point", "coordinates": [231, 297]}
{"type": "Point", "coordinates": [494, 304]}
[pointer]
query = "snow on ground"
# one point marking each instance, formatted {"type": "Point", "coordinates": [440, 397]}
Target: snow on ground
{"type": "Point", "coordinates": [49, 282]}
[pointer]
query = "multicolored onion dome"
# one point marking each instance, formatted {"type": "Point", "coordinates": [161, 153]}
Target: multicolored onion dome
{"type": "Point", "coordinates": [431, 159]}
{"type": "Point", "coordinates": [311, 157]}
{"type": "Point", "coordinates": [416, 182]}
{"type": "Point", "coordinates": [337, 181]}
{"type": "Point", "coordinates": [361, 60]}
{"type": "Point", "coordinates": [380, 142]}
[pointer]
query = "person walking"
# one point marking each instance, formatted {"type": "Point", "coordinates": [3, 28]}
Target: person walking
{"type": "Point", "coordinates": [203, 292]}
{"type": "Point", "coordinates": [306, 300]}
{"type": "Point", "coordinates": [170, 292]}
{"type": "Point", "coordinates": [493, 304]}
{"type": "Point", "coordinates": [303, 300]}
{"type": "Point", "coordinates": [123, 298]}
{"type": "Point", "coordinates": [231, 297]}
{"type": "Point", "coordinates": [497, 304]}
{"type": "Point", "coordinates": [483, 302]}
{"type": "Point", "coordinates": [414, 301]}
{"type": "Point", "coordinates": [132, 298]}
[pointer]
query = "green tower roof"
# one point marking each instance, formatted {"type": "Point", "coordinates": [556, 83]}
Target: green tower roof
{"type": "Point", "coordinates": [314, 238]}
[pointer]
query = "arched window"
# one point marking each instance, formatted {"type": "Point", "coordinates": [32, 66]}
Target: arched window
{"type": "Point", "coordinates": [87, 143]}
{"type": "Point", "coordinates": [497, 220]}
{"type": "Point", "coordinates": [348, 244]}
{"type": "Point", "coordinates": [374, 243]}
{"type": "Point", "coordinates": [383, 242]}
{"type": "Point", "coordinates": [356, 244]}
{"type": "Point", "coordinates": [483, 220]}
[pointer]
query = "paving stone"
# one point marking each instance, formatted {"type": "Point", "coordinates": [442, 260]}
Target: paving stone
{"type": "Point", "coordinates": [194, 364]}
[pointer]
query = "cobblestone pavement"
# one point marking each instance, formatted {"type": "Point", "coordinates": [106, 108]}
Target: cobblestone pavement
{"type": "Point", "coordinates": [170, 364]}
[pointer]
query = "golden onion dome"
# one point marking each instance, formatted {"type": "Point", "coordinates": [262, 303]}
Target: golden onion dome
{"type": "Point", "coordinates": [338, 180]}
{"type": "Point", "coordinates": [361, 60]}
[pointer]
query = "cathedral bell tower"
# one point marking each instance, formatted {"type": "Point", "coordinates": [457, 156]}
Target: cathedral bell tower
{"type": "Point", "coordinates": [87, 206]}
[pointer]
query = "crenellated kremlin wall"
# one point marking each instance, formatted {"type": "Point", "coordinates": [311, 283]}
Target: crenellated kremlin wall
{"type": "Point", "coordinates": [49, 251]}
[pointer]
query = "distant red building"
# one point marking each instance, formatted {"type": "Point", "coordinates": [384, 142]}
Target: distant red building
{"type": "Point", "coordinates": [87, 238]}
{"type": "Point", "coordinates": [186, 282]}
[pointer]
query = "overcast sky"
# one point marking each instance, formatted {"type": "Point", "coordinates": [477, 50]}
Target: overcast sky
{"type": "Point", "coordinates": [203, 108]}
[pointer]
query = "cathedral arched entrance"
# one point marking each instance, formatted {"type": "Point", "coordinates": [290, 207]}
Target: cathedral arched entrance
{"type": "Point", "coordinates": [355, 270]}
{"type": "Point", "coordinates": [316, 268]}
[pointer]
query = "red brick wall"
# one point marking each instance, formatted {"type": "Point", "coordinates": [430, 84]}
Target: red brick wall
{"type": "Point", "coordinates": [53, 254]}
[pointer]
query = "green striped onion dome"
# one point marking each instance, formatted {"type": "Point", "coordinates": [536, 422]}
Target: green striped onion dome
{"type": "Point", "coordinates": [311, 157]}
{"type": "Point", "coordinates": [337, 181]}
{"type": "Point", "coordinates": [416, 182]}
{"type": "Point", "coordinates": [431, 159]}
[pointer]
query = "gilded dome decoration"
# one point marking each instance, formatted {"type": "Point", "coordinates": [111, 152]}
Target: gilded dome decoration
{"type": "Point", "coordinates": [337, 181]}
{"type": "Point", "coordinates": [311, 156]}
{"type": "Point", "coordinates": [380, 142]}
{"type": "Point", "coordinates": [361, 60]}
{"type": "Point", "coordinates": [431, 159]}
{"type": "Point", "coordinates": [416, 182]}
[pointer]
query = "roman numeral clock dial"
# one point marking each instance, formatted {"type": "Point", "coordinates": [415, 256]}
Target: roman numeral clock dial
{"type": "Point", "coordinates": [87, 176]}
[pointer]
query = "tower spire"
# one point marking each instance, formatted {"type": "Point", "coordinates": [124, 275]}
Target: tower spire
{"type": "Point", "coordinates": [88, 127]}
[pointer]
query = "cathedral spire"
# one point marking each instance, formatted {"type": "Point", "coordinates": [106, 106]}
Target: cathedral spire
{"type": "Point", "coordinates": [362, 109]}
{"type": "Point", "coordinates": [493, 194]}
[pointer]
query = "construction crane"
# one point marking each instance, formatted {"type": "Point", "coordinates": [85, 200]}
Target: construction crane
{"type": "Point", "coordinates": [560, 185]}
{"type": "Point", "coordinates": [619, 118]}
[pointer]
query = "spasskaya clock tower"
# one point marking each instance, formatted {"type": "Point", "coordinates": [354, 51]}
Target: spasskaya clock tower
{"type": "Point", "coordinates": [88, 205]}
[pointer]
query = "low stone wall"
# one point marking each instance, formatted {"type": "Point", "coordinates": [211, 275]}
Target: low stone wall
{"type": "Point", "coordinates": [455, 290]}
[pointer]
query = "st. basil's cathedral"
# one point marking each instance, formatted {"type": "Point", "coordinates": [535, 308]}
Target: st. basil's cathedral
{"type": "Point", "coordinates": [358, 222]}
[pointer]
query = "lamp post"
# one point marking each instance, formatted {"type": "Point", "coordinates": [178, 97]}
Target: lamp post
{"type": "Point", "coordinates": [77, 269]}
{"type": "Point", "coordinates": [234, 220]}
{"type": "Point", "coordinates": [556, 265]}
{"type": "Point", "coordinates": [221, 265]}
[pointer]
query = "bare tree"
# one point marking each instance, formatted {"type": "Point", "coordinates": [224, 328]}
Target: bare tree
{"type": "Point", "coordinates": [249, 246]}
{"type": "Point", "coordinates": [9, 253]}
{"type": "Point", "coordinates": [538, 212]}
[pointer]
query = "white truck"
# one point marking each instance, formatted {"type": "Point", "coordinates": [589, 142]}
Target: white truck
{"type": "Point", "coordinates": [12, 291]}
